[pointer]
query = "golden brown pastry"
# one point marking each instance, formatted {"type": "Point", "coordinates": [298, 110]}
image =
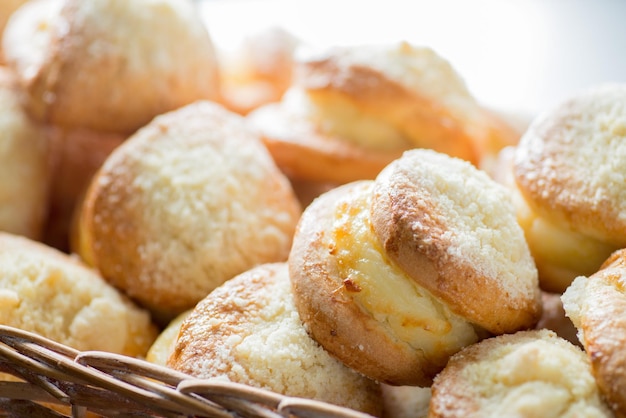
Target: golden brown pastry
{"type": "Point", "coordinates": [110, 65]}
{"type": "Point", "coordinates": [596, 306]}
{"type": "Point", "coordinates": [526, 374]}
{"type": "Point", "coordinates": [396, 274]}
{"type": "Point", "coordinates": [24, 184]}
{"type": "Point", "coordinates": [248, 331]}
{"type": "Point", "coordinates": [569, 168]}
{"type": "Point", "coordinates": [52, 294]}
{"type": "Point", "coordinates": [258, 70]}
{"type": "Point", "coordinates": [186, 203]}
{"type": "Point", "coordinates": [354, 109]}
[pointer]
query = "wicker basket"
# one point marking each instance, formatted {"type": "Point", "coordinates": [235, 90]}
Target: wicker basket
{"type": "Point", "coordinates": [58, 381]}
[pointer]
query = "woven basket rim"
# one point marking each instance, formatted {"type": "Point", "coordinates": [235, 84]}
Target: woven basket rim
{"type": "Point", "coordinates": [54, 380]}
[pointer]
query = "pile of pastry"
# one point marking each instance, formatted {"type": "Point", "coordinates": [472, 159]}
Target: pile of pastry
{"type": "Point", "coordinates": [348, 225]}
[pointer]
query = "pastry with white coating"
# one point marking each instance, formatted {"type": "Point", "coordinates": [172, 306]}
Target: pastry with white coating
{"type": "Point", "coordinates": [45, 291]}
{"type": "Point", "coordinates": [110, 65]}
{"type": "Point", "coordinates": [186, 203]}
{"type": "Point", "coordinates": [354, 109]}
{"type": "Point", "coordinates": [570, 170]}
{"type": "Point", "coordinates": [248, 331]}
{"type": "Point", "coordinates": [596, 305]}
{"type": "Point", "coordinates": [396, 274]}
{"type": "Point", "coordinates": [526, 374]}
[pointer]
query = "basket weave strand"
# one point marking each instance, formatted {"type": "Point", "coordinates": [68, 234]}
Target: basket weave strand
{"type": "Point", "coordinates": [57, 381]}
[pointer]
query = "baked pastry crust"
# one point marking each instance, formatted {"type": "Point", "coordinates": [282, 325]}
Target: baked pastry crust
{"type": "Point", "coordinates": [570, 164]}
{"type": "Point", "coordinates": [560, 254]}
{"type": "Point", "coordinates": [596, 305]}
{"type": "Point", "coordinates": [55, 295]}
{"type": "Point", "coordinates": [424, 214]}
{"type": "Point", "coordinates": [365, 299]}
{"type": "Point", "coordinates": [352, 110]}
{"type": "Point", "coordinates": [189, 201]}
{"type": "Point", "coordinates": [529, 373]}
{"type": "Point", "coordinates": [306, 154]}
{"type": "Point", "coordinates": [248, 331]}
{"type": "Point", "coordinates": [110, 65]}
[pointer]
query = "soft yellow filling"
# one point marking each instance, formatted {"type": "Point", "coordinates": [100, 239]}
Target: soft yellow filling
{"type": "Point", "coordinates": [560, 253]}
{"type": "Point", "coordinates": [386, 293]}
{"type": "Point", "coordinates": [339, 117]}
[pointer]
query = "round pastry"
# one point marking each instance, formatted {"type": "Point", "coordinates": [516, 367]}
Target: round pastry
{"type": "Point", "coordinates": [189, 201]}
{"type": "Point", "coordinates": [248, 331]}
{"type": "Point", "coordinates": [52, 294]}
{"type": "Point", "coordinates": [110, 65]}
{"type": "Point", "coordinates": [24, 164]}
{"type": "Point", "coordinates": [396, 274]}
{"type": "Point", "coordinates": [570, 167]}
{"type": "Point", "coordinates": [596, 305]}
{"type": "Point", "coordinates": [75, 156]}
{"type": "Point", "coordinates": [526, 374]}
{"type": "Point", "coordinates": [259, 70]}
{"type": "Point", "coordinates": [354, 109]}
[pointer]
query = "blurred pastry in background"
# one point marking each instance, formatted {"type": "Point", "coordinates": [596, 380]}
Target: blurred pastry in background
{"type": "Point", "coordinates": [394, 275]}
{"type": "Point", "coordinates": [24, 166]}
{"type": "Point", "coordinates": [258, 70]}
{"type": "Point", "coordinates": [186, 203]}
{"type": "Point", "coordinates": [525, 374]}
{"type": "Point", "coordinates": [352, 110]}
{"type": "Point", "coordinates": [248, 331]}
{"type": "Point", "coordinates": [54, 295]}
{"type": "Point", "coordinates": [7, 8]}
{"type": "Point", "coordinates": [75, 156]}
{"type": "Point", "coordinates": [596, 306]}
{"type": "Point", "coordinates": [569, 173]}
{"type": "Point", "coordinates": [110, 65]}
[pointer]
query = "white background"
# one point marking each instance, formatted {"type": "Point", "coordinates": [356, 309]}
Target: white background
{"type": "Point", "coordinates": [521, 56]}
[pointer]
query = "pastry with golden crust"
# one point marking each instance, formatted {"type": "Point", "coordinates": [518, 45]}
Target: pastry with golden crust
{"type": "Point", "coordinates": [189, 201]}
{"type": "Point", "coordinates": [559, 253]}
{"type": "Point", "coordinates": [248, 331]}
{"type": "Point", "coordinates": [396, 274]}
{"type": "Point", "coordinates": [110, 65]}
{"type": "Point", "coordinates": [354, 109]}
{"type": "Point", "coordinates": [526, 374]}
{"type": "Point", "coordinates": [55, 295]}
{"type": "Point", "coordinates": [570, 170]}
{"type": "Point", "coordinates": [24, 162]}
{"type": "Point", "coordinates": [596, 306]}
